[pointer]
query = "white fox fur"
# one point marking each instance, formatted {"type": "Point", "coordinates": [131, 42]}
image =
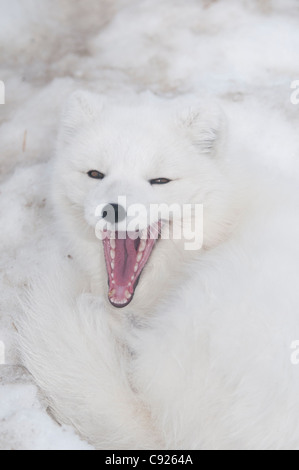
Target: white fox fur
{"type": "Point", "coordinates": [201, 357]}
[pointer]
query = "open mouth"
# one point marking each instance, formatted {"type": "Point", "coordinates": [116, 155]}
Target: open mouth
{"type": "Point", "coordinates": [126, 256]}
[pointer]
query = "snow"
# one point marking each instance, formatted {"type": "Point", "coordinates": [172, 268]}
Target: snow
{"type": "Point", "coordinates": [244, 52]}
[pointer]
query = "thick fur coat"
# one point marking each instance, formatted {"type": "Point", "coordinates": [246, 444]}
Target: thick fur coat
{"type": "Point", "coordinates": [201, 357]}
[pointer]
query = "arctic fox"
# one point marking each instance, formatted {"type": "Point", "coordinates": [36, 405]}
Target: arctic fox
{"type": "Point", "coordinates": [138, 342]}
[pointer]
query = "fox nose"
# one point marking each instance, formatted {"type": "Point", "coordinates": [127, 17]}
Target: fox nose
{"type": "Point", "coordinates": [114, 213]}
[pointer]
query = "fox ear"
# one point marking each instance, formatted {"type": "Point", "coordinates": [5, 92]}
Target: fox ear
{"type": "Point", "coordinates": [206, 126]}
{"type": "Point", "coordinates": [81, 108]}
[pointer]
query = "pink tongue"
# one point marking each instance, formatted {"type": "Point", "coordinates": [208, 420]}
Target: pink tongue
{"type": "Point", "coordinates": [125, 261]}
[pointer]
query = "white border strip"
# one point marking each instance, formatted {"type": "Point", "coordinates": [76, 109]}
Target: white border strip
{"type": "Point", "coordinates": [2, 93]}
{"type": "Point", "coordinates": [2, 353]}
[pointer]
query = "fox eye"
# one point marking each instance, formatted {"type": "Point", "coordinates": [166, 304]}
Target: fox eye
{"type": "Point", "coordinates": [97, 175]}
{"type": "Point", "coordinates": [160, 181]}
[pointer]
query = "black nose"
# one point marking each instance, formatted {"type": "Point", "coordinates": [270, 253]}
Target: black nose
{"type": "Point", "coordinates": [114, 213]}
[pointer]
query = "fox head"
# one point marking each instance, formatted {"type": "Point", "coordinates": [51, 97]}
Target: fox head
{"type": "Point", "coordinates": [141, 189]}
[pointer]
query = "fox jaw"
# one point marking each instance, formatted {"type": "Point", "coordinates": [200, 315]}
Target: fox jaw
{"type": "Point", "coordinates": [149, 152]}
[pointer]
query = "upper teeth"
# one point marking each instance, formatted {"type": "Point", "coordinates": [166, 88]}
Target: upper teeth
{"type": "Point", "coordinates": [142, 246]}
